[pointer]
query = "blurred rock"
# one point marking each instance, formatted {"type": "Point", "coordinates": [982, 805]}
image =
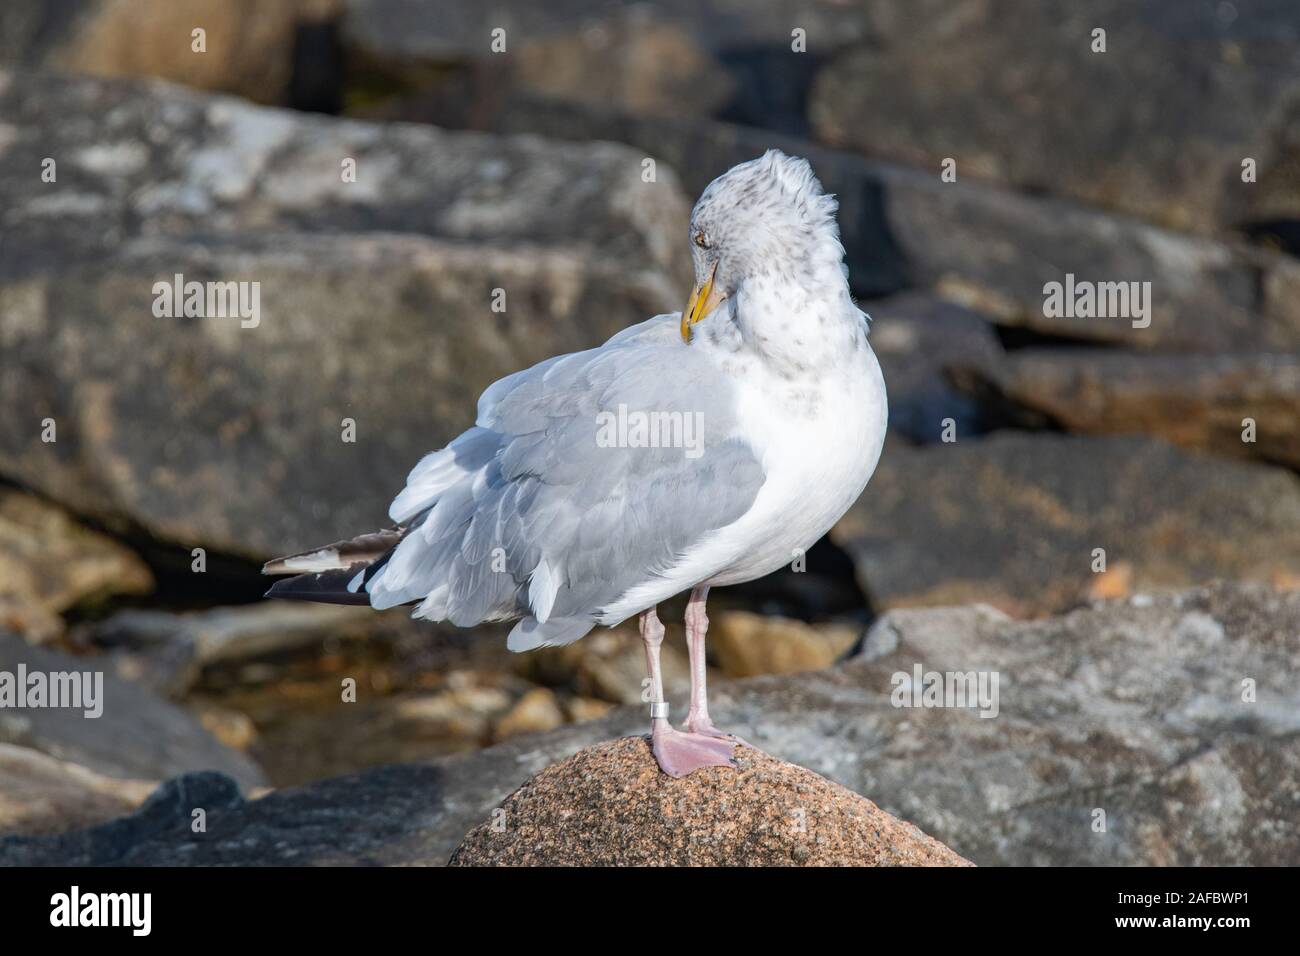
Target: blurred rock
{"type": "Point", "coordinates": [39, 794]}
{"type": "Point", "coordinates": [915, 337]}
{"type": "Point", "coordinates": [249, 44]}
{"type": "Point", "coordinates": [1013, 520]}
{"type": "Point", "coordinates": [444, 30]}
{"type": "Point", "coordinates": [466, 712]}
{"type": "Point", "coordinates": [997, 252]}
{"type": "Point", "coordinates": [983, 246]}
{"type": "Point", "coordinates": [167, 652]}
{"type": "Point", "coordinates": [325, 691]}
{"type": "Point", "coordinates": [1197, 401]}
{"type": "Point", "coordinates": [747, 645]}
{"type": "Point", "coordinates": [697, 57]}
{"type": "Point", "coordinates": [303, 739]}
{"type": "Point", "coordinates": [643, 64]}
{"type": "Point", "coordinates": [149, 160]}
{"type": "Point", "coordinates": [1158, 125]}
{"type": "Point", "coordinates": [699, 150]}
{"type": "Point", "coordinates": [1115, 707]}
{"type": "Point", "coordinates": [765, 812]}
{"type": "Point", "coordinates": [606, 664]}
{"type": "Point", "coordinates": [537, 710]}
{"type": "Point", "coordinates": [251, 459]}
{"type": "Point", "coordinates": [137, 735]}
{"type": "Point", "coordinates": [49, 563]}
{"type": "Point", "coordinates": [582, 709]}
{"type": "Point", "coordinates": [232, 728]}
{"type": "Point", "coordinates": [168, 808]}
{"type": "Point", "coordinates": [267, 679]}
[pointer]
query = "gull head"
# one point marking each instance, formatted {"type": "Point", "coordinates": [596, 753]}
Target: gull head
{"type": "Point", "coordinates": [768, 217]}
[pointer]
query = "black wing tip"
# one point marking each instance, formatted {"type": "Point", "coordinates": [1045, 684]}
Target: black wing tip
{"type": "Point", "coordinates": [327, 587]}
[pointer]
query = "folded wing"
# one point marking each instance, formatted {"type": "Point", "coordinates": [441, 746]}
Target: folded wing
{"type": "Point", "coordinates": [585, 476]}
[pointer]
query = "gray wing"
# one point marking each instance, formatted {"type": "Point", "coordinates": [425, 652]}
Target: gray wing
{"type": "Point", "coordinates": [550, 509]}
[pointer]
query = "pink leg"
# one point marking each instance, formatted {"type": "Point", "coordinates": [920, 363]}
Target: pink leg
{"type": "Point", "coordinates": [697, 624]}
{"type": "Point", "coordinates": [677, 753]}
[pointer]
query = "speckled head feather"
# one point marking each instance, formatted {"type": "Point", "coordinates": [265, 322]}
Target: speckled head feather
{"type": "Point", "coordinates": [767, 215]}
{"type": "Point", "coordinates": [769, 267]}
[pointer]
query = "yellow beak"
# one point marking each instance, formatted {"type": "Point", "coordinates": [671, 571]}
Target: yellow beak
{"type": "Point", "coordinates": [704, 299]}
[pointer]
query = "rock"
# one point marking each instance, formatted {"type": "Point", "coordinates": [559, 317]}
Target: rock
{"type": "Point", "coordinates": [49, 564]}
{"type": "Point", "coordinates": [989, 248]}
{"type": "Point", "coordinates": [444, 30]}
{"type": "Point", "coordinates": [334, 690]}
{"type": "Point", "coordinates": [1158, 125]}
{"type": "Point", "coordinates": [249, 44]}
{"type": "Point", "coordinates": [579, 243]}
{"type": "Point", "coordinates": [1133, 707]}
{"type": "Point", "coordinates": [465, 711]}
{"type": "Point", "coordinates": [1013, 520]}
{"type": "Point", "coordinates": [301, 738]}
{"type": "Point", "coordinates": [234, 729]}
{"type": "Point", "coordinates": [582, 709]}
{"type": "Point", "coordinates": [136, 736]}
{"type": "Point", "coordinates": [329, 828]}
{"type": "Point", "coordinates": [609, 805]}
{"type": "Point", "coordinates": [1197, 401]}
{"type": "Point", "coordinates": [1137, 708]}
{"type": "Point", "coordinates": [915, 337]}
{"type": "Point", "coordinates": [537, 710]}
{"type": "Point", "coordinates": [1204, 295]}
{"type": "Point", "coordinates": [646, 66]}
{"type": "Point", "coordinates": [169, 808]}
{"type": "Point", "coordinates": [168, 652]}
{"type": "Point", "coordinates": [39, 794]}
{"type": "Point", "coordinates": [234, 169]}
{"type": "Point", "coordinates": [606, 664]}
{"type": "Point", "coordinates": [699, 150]}
{"type": "Point", "coordinates": [747, 645]}
{"type": "Point", "coordinates": [667, 57]}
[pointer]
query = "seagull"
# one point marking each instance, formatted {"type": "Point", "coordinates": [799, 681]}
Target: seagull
{"type": "Point", "coordinates": [691, 451]}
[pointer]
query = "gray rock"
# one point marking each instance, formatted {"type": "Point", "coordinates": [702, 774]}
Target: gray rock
{"type": "Point", "coordinates": [1157, 126]}
{"type": "Point", "coordinates": [39, 794]}
{"type": "Point", "coordinates": [1131, 707]}
{"type": "Point", "coordinates": [381, 817]}
{"type": "Point", "coordinates": [250, 43]}
{"type": "Point", "coordinates": [667, 56]}
{"type": "Point", "coordinates": [144, 159]}
{"type": "Point", "coordinates": [916, 337]}
{"type": "Point", "coordinates": [169, 809]}
{"type": "Point", "coordinates": [137, 735]}
{"type": "Point", "coordinates": [1197, 401]}
{"type": "Point", "coordinates": [996, 251]}
{"type": "Point", "coordinates": [444, 30]}
{"type": "Point", "coordinates": [375, 300]}
{"type": "Point", "coordinates": [699, 150]}
{"type": "Point", "coordinates": [49, 563]}
{"type": "Point", "coordinates": [1013, 520]}
{"type": "Point", "coordinates": [168, 652]}
{"type": "Point", "coordinates": [989, 248]}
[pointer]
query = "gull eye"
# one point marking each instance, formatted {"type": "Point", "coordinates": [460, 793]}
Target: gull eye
{"type": "Point", "coordinates": [701, 240]}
